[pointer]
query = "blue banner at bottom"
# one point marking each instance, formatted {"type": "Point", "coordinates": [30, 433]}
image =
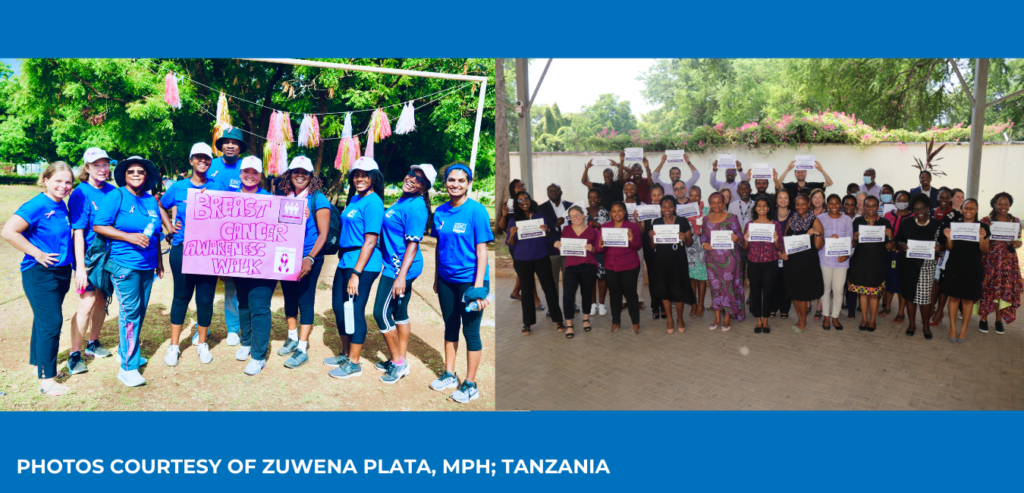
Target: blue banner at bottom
{"type": "Point", "coordinates": [515, 451]}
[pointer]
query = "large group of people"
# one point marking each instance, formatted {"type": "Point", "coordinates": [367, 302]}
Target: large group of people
{"type": "Point", "coordinates": [113, 233]}
{"type": "Point", "coordinates": [875, 250]}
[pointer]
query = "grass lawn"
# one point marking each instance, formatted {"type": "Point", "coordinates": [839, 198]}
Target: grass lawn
{"type": "Point", "coordinates": [221, 385]}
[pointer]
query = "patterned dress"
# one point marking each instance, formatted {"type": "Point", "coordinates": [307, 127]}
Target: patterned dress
{"type": "Point", "coordinates": [601, 217]}
{"type": "Point", "coordinates": [723, 267]}
{"type": "Point", "coordinates": [918, 275]}
{"type": "Point", "coordinates": [1003, 283]}
{"type": "Point", "coordinates": [695, 252]}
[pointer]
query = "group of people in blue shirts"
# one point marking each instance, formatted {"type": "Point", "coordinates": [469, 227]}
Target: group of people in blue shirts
{"type": "Point", "coordinates": [373, 241]}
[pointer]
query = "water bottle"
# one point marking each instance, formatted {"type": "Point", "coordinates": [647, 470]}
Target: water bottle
{"type": "Point", "coordinates": [473, 307]}
{"type": "Point", "coordinates": [150, 228]}
{"type": "Point", "coordinates": [350, 317]}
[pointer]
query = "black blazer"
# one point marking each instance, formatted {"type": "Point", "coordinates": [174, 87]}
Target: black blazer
{"type": "Point", "coordinates": [934, 193]}
{"type": "Point", "coordinates": [548, 210]}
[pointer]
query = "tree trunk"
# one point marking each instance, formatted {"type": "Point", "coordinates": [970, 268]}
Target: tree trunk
{"type": "Point", "coordinates": [501, 164]}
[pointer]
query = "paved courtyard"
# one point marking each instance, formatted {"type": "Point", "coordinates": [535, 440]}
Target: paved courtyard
{"type": "Point", "coordinates": [702, 369]}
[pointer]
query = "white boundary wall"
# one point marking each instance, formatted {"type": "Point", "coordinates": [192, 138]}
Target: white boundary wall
{"type": "Point", "coordinates": [1002, 168]}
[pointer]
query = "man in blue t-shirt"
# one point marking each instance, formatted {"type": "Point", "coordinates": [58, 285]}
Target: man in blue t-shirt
{"type": "Point", "coordinates": [226, 171]}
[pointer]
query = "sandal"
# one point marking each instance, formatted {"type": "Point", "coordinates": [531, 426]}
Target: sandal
{"type": "Point", "coordinates": [898, 320]}
{"type": "Point", "coordinates": [772, 315]}
{"type": "Point", "coordinates": [636, 331]}
{"type": "Point", "coordinates": [784, 316]}
{"type": "Point", "coordinates": [560, 326]}
{"type": "Point", "coordinates": [587, 327]}
{"type": "Point", "coordinates": [54, 390]}
{"type": "Point", "coordinates": [817, 315]}
{"type": "Point", "coordinates": [526, 330]}
{"type": "Point", "coordinates": [570, 335]}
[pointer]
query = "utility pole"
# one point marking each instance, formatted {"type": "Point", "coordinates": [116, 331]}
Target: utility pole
{"type": "Point", "coordinates": [523, 95]}
{"type": "Point", "coordinates": [501, 165]}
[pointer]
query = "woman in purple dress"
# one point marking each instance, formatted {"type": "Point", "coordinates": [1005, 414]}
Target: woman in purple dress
{"type": "Point", "coordinates": [724, 276]}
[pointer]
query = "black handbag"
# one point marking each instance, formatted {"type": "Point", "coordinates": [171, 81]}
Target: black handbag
{"type": "Point", "coordinates": [96, 259]}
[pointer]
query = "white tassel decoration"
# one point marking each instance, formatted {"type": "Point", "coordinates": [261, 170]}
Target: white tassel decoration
{"type": "Point", "coordinates": [406, 122]}
{"type": "Point", "coordinates": [282, 156]}
{"type": "Point", "coordinates": [346, 132]}
{"type": "Point", "coordinates": [309, 132]}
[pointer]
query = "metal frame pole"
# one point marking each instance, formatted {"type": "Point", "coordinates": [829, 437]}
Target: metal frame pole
{"type": "Point", "coordinates": [523, 94]}
{"type": "Point", "coordinates": [977, 127]}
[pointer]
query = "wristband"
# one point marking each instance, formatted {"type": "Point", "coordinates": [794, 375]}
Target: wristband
{"type": "Point", "coordinates": [358, 273]}
{"type": "Point", "coordinates": [311, 259]}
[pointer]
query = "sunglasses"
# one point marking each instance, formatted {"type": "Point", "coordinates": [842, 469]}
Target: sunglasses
{"type": "Point", "coordinates": [136, 172]}
{"type": "Point", "coordinates": [422, 181]}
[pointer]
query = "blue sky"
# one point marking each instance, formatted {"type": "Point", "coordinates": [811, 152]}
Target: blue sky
{"type": "Point", "coordinates": [13, 63]}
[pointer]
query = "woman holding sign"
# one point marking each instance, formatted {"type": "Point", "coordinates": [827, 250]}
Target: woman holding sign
{"type": "Point", "coordinates": [893, 284]}
{"type": "Point", "coordinates": [695, 252]}
{"type": "Point", "coordinates": [174, 202]}
{"type": "Point", "coordinates": [596, 216]}
{"type": "Point", "coordinates": [801, 267]}
{"type": "Point", "coordinates": [580, 266]}
{"type": "Point", "coordinates": [41, 230]}
{"type": "Point", "coordinates": [719, 236]}
{"type": "Point", "coordinates": [528, 239]}
{"type": "Point", "coordinates": [463, 230]}
{"type": "Point", "coordinates": [782, 213]}
{"type": "Point", "coordinates": [762, 238]}
{"type": "Point", "coordinates": [918, 239]}
{"type": "Point", "coordinates": [657, 193]}
{"type": "Point", "coordinates": [670, 236]}
{"type": "Point", "coordinates": [619, 241]}
{"type": "Point", "coordinates": [967, 241]}
{"type": "Point", "coordinates": [872, 239]}
{"type": "Point", "coordinates": [254, 295]}
{"type": "Point", "coordinates": [1003, 284]}
{"type": "Point", "coordinates": [300, 182]}
{"type": "Point", "coordinates": [130, 220]}
{"type": "Point", "coordinates": [835, 260]}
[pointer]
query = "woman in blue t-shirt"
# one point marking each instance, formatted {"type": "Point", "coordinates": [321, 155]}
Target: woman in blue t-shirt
{"type": "Point", "coordinates": [463, 230]}
{"type": "Point", "coordinates": [404, 224]}
{"type": "Point", "coordinates": [83, 205]}
{"type": "Point", "coordinates": [299, 296]}
{"type": "Point", "coordinates": [174, 202]}
{"type": "Point", "coordinates": [359, 262]}
{"type": "Point", "coordinates": [130, 220]}
{"type": "Point", "coordinates": [254, 295]}
{"type": "Point", "coordinates": [40, 228]}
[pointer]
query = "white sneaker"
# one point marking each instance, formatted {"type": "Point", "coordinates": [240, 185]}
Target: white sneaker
{"type": "Point", "coordinates": [255, 367]}
{"type": "Point", "coordinates": [171, 358]}
{"type": "Point", "coordinates": [593, 309]}
{"type": "Point", "coordinates": [242, 354]}
{"type": "Point", "coordinates": [131, 378]}
{"type": "Point", "coordinates": [204, 353]}
{"type": "Point", "coordinates": [233, 339]}
{"type": "Point", "coordinates": [601, 310]}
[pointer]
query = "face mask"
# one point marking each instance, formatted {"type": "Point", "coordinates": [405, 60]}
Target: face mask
{"type": "Point", "coordinates": [867, 180]}
{"type": "Point", "coordinates": [902, 205]}
{"type": "Point", "coordinates": [886, 197]}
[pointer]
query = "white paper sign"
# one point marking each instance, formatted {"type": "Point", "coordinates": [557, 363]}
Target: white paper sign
{"type": "Point", "coordinates": [666, 233]}
{"type": "Point", "coordinates": [965, 231]}
{"type": "Point", "coordinates": [797, 243]}
{"type": "Point", "coordinates": [1004, 231]}
{"type": "Point", "coordinates": [804, 162]}
{"type": "Point", "coordinates": [726, 161]}
{"type": "Point", "coordinates": [646, 212]}
{"type": "Point", "coordinates": [920, 249]}
{"type": "Point", "coordinates": [871, 234]}
{"type": "Point", "coordinates": [837, 247]}
{"type": "Point", "coordinates": [688, 210]}
{"type": "Point", "coordinates": [887, 208]}
{"type": "Point", "coordinates": [721, 240]}
{"type": "Point", "coordinates": [574, 247]}
{"type": "Point", "coordinates": [530, 229]}
{"type": "Point", "coordinates": [675, 156]}
{"type": "Point", "coordinates": [615, 237]}
{"type": "Point", "coordinates": [634, 153]}
{"type": "Point", "coordinates": [761, 232]}
{"type": "Point", "coordinates": [761, 172]}
{"type": "Point", "coordinates": [600, 161]}
{"type": "Point", "coordinates": [630, 209]}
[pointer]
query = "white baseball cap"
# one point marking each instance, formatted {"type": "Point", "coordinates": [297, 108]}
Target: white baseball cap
{"type": "Point", "coordinates": [428, 171]}
{"type": "Point", "coordinates": [252, 162]}
{"type": "Point", "coordinates": [201, 148]}
{"type": "Point", "coordinates": [301, 162]}
{"type": "Point", "coordinates": [364, 163]}
{"type": "Point", "coordinates": [93, 154]}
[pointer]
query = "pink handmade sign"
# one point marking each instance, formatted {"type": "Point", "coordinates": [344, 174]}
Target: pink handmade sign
{"type": "Point", "coordinates": [237, 234]}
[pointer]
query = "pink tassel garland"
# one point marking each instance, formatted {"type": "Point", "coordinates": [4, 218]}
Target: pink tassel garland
{"type": "Point", "coordinates": [171, 91]}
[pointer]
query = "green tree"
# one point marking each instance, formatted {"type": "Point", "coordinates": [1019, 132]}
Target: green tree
{"type": "Point", "coordinates": [606, 113]}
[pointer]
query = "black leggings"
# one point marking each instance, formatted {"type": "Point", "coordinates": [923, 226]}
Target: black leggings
{"type": "Point", "coordinates": [45, 289]}
{"type": "Point", "coordinates": [184, 285]}
{"type": "Point", "coordinates": [780, 302]}
{"type": "Point", "coordinates": [526, 269]}
{"type": "Point", "coordinates": [624, 284]}
{"type": "Point", "coordinates": [453, 309]}
{"type": "Point", "coordinates": [300, 295]}
{"type": "Point", "coordinates": [582, 276]}
{"type": "Point", "coordinates": [339, 295]}
{"type": "Point", "coordinates": [651, 269]}
{"type": "Point", "coordinates": [762, 277]}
